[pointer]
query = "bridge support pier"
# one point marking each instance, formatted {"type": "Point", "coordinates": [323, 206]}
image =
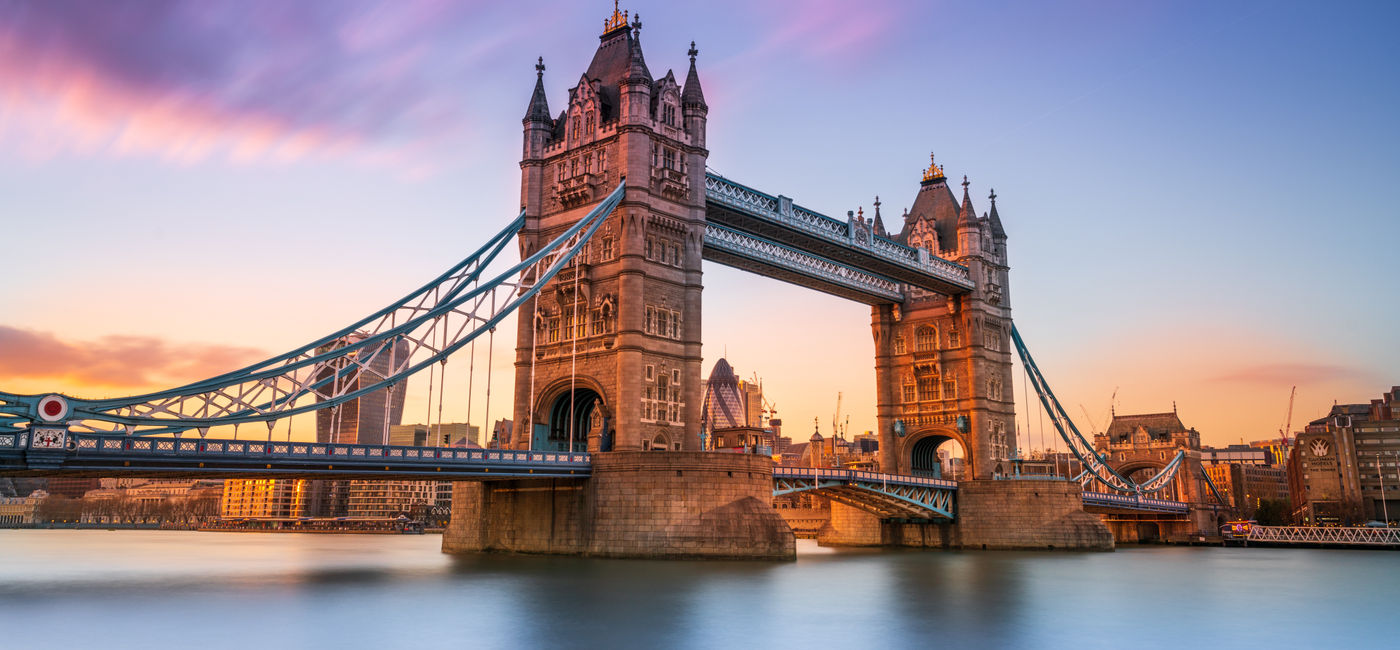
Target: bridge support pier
{"type": "Point", "coordinates": [998, 515]}
{"type": "Point", "coordinates": [637, 504]}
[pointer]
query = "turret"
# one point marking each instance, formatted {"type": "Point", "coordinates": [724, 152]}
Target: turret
{"type": "Point", "coordinates": [636, 85]}
{"type": "Point", "coordinates": [537, 122]}
{"type": "Point", "coordinates": [693, 106]}
{"type": "Point", "coordinates": [969, 234]}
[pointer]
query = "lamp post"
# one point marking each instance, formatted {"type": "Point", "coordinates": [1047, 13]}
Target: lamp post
{"type": "Point", "coordinates": [1380, 473]}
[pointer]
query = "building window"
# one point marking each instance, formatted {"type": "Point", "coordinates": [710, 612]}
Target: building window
{"type": "Point", "coordinates": [670, 158]}
{"type": "Point", "coordinates": [928, 389]}
{"type": "Point", "coordinates": [588, 163]}
{"type": "Point", "coordinates": [597, 322]}
{"type": "Point", "coordinates": [925, 339]}
{"type": "Point", "coordinates": [655, 155]}
{"type": "Point", "coordinates": [950, 389]}
{"type": "Point", "coordinates": [588, 123]}
{"type": "Point", "coordinates": [605, 251]}
{"type": "Point", "coordinates": [994, 388]}
{"type": "Point", "coordinates": [899, 345]}
{"type": "Point", "coordinates": [909, 394]}
{"type": "Point", "coordinates": [553, 330]}
{"type": "Point", "coordinates": [954, 338]}
{"type": "Point", "coordinates": [992, 338]}
{"type": "Point", "coordinates": [651, 374]}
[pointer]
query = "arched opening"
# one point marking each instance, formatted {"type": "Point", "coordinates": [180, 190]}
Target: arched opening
{"type": "Point", "coordinates": [658, 443]}
{"type": "Point", "coordinates": [939, 457]}
{"type": "Point", "coordinates": [565, 433]}
{"type": "Point", "coordinates": [1147, 531]}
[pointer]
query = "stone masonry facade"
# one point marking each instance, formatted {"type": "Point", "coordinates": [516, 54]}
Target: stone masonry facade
{"type": "Point", "coordinates": [636, 504]}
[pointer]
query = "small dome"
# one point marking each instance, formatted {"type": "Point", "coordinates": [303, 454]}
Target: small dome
{"type": "Point", "coordinates": [816, 437]}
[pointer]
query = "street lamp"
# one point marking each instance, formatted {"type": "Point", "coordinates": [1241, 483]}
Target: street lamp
{"type": "Point", "coordinates": [1385, 512]}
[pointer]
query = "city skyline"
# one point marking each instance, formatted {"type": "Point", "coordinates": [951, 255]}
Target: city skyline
{"type": "Point", "coordinates": [190, 192]}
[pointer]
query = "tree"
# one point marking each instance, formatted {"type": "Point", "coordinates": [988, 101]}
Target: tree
{"type": "Point", "coordinates": [1272, 512]}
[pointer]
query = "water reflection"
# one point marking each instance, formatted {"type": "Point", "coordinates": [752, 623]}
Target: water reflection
{"type": "Point", "coordinates": [165, 589]}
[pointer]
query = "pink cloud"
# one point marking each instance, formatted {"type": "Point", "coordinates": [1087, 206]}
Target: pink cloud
{"type": "Point", "coordinates": [113, 361]}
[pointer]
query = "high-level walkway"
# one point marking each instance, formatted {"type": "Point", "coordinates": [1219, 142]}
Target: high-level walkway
{"type": "Point", "coordinates": [772, 236]}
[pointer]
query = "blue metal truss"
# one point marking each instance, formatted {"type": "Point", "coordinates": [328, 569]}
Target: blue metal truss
{"type": "Point", "coordinates": [431, 323]}
{"type": "Point", "coordinates": [887, 495]}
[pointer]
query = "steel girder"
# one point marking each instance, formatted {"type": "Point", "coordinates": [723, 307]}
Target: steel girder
{"type": "Point", "coordinates": [1096, 465]}
{"type": "Point", "coordinates": [433, 322]}
{"type": "Point", "coordinates": [887, 495]}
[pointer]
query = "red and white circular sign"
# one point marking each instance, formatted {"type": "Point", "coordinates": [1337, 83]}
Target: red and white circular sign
{"type": "Point", "coordinates": [53, 408]}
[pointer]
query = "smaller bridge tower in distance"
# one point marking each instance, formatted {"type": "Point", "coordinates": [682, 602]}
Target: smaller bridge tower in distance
{"type": "Point", "coordinates": [943, 362]}
{"type": "Point", "coordinates": [609, 353]}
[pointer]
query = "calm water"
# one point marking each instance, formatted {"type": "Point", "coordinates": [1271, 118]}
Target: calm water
{"type": "Point", "coordinates": [137, 589]}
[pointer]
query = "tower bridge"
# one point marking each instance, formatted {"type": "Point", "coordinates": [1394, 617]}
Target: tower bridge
{"type": "Point", "coordinates": [617, 215]}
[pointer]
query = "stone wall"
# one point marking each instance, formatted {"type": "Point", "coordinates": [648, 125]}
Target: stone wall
{"type": "Point", "coordinates": [990, 515]}
{"type": "Point", "coordinates": [637, 504]}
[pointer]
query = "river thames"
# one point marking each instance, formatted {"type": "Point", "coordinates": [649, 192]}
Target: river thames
{"type": "Point", "coordinates": [145, 589]}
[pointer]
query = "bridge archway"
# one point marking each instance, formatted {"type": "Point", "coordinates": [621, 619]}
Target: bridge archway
{"type": "Point", "coordinates": [921, 454]}
{"type": "Point", "coordinates": [578, 414]}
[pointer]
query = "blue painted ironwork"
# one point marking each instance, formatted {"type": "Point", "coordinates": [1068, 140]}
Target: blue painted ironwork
{"type": "Point", "coordinates": [1095, 464]}
{"type": "Point", "coordinates": [436, 320]}
{"type": "Point", "coordinates": [927, 271]}
{"type": "Point", "coordinates": [844, 280]}
{"type": "Point", "coordinates": [889, 495]}
{"type": "Point", "coordinates": [1133, 502]}
{"type": "Point", "coordinates": [113, 455]}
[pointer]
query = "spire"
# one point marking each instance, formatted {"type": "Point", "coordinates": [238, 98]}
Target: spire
{"type": "Point", "coordinates": [691, 94]}
{"type": "Point", "coordinates": [636, 63]}
{"type": "Point", "coordinates": [879, 224]}
{"type": "Point", "coordinates": [997, 230]}
{"type": "Point", "coordinates": [539, 104]}
{"type": "Point", "coordinates": [966, 216]}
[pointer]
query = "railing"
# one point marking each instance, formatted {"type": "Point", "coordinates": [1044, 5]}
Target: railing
{"type": "Point", "coordinates": [756, 203]}
{"type": "Point", "coordinates": [1105, 499]}
{"type": "Point", "coordinates": [853, 475]}
{"type": "Point", "coordinates": [1349, 536]}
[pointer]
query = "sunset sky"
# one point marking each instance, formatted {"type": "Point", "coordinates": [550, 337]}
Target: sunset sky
{"type": "Point", "coordinates": [1200, 196]}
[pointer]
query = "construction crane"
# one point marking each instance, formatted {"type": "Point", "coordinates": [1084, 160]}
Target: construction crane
{"type": "Point", "coordinates": [1287, 424]}
{"type": "Point", "coordinates": [836, 417]}
{"type": "Point", "coordinates": [1090, 418]}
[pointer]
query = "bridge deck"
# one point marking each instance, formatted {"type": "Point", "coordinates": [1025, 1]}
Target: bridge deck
{"type": "Point", "coordinates": [180, 457]}
{"type": "Point", "coordinates": [1134, 503]}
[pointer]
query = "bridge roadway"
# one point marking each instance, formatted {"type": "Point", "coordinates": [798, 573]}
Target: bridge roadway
{"type": "Point", "coordinates": [889, 495]}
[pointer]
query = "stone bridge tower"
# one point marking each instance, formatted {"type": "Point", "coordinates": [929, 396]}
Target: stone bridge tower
{"type": "Point", "coordinates": [943, 363]}
{"type": "Point", "coordinates": [608, 355]}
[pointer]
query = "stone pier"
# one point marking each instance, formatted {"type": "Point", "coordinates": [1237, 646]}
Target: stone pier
{"type": "Point", "coordinates": [637, 504]}
{"type": "Point", "coordinates": [999, 515]}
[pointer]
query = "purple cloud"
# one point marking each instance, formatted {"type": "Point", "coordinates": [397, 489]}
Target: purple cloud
{"type": "Point", "coordinates": [113, 361]}
{"type": "Point", "coordinates": [191, 80]}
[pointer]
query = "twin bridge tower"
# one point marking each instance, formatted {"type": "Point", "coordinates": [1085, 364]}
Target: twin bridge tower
{"type": "Point", "coordinates": [609, 353]}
